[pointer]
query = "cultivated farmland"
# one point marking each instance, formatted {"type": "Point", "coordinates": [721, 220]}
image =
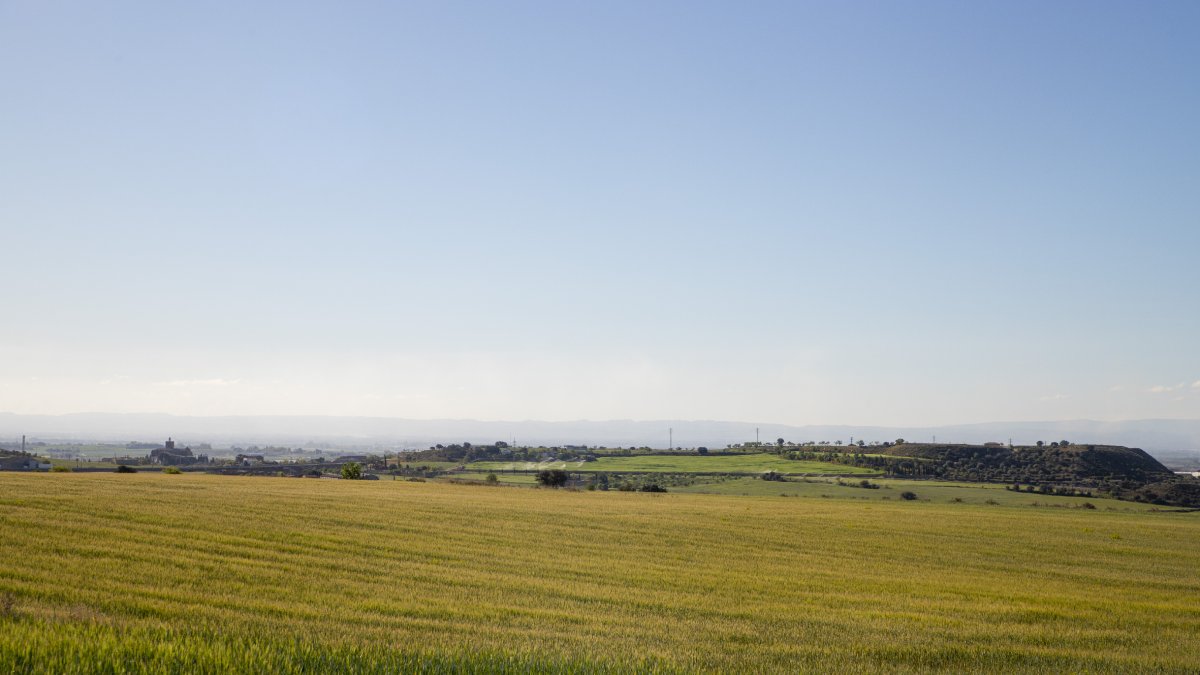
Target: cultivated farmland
{"type": "Point", "coordinates": [890, 489]}
{"type": "Point", "coordinates": [739, 463]}
{"type": "Point", "coordinates": [198, 573]}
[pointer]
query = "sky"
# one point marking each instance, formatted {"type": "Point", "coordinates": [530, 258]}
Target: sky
{"type": "Point", "coordinates": [804, 213]}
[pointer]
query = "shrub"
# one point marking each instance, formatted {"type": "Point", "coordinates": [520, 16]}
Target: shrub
{"type": "Point", "coordinates": [553, 477]}
{"type": "Point", "coordinates": [173, 470]}
{"type": "Point", "coordinates": [907, 495]}
{"type": "Point", "coordinates": [126, 469]}
{"type": "Point", "coordinates": [491, 478]}
{"type": "Point", "coordinates": [351, 471]}
{"type": "Point", "coordinates": [59, 468]}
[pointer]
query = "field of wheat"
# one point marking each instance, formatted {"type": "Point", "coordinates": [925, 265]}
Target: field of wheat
{"type": "Point", "coordinates": [196, 573]}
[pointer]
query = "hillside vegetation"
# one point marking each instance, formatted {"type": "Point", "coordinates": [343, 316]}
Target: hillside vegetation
{"type": "Point", "coordinates": [1045, 462]}
{"type": "Point", "coordinates": [1060, 468]}
{"type": "Point", "coordinates": [200, 573]}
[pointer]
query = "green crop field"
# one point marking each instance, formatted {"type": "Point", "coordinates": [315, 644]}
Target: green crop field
{"type": "Point", "coordinates": [198, 573]}
{"type": "Point", "coordinates": [749, 463]}
{"type": "Point", "coordinates": [526, 479]}
{"type": "Point", "coordinates": [417, 464]}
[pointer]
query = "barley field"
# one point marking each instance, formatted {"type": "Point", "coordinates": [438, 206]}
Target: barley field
{"type": "Point", "coordinates": [108, 573]}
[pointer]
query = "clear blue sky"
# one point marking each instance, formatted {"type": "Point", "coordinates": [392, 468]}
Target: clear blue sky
{"type": "Point", "coordinates": [892, 213]}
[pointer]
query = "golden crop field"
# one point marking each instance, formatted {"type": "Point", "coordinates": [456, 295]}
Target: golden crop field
{"type": "Point", "coordinates": [196, 573]}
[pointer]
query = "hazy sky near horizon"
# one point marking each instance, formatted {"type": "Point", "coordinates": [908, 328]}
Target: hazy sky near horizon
{"type": "Point", "coordinates": [806, 213]}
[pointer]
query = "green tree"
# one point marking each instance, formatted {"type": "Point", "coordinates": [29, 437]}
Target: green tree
{"type": "Point", "coordinates": [351, 471]}
{"type": "Point", "coordinates": [553, 477]}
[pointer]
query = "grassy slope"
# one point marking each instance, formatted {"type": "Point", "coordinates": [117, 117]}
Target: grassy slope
{"type": "Point", "coordinates": [207, 573]}
{"type": "Point", "coordinates": [749, 463]}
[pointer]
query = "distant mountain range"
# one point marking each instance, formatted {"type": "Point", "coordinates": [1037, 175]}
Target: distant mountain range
{"type": "Point", "coordinates": [1163, 438]}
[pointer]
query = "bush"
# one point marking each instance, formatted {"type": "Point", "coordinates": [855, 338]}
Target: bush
{"type": "Point", "coordinates": [351, 471]}
{"type": "Point", "coordinates": [553, 477]}
{"type": "Point", "coordinates": [907, 495]}
{"type": "Point", "coordinates": [173, 470]}
{"type": "Point", "coordinates": [491, 478]}
{"type": "Point", "coordinates": [59, 468]}
{"type": "Point", "coordinates": [126, 469]}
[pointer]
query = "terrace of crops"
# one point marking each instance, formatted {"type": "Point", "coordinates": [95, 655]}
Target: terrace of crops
{"type": "Point", "coordinates": [202, 573]}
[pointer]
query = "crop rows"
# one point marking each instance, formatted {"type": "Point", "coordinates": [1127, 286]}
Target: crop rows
{"type": "Point", "coordinates": [196, 573]}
